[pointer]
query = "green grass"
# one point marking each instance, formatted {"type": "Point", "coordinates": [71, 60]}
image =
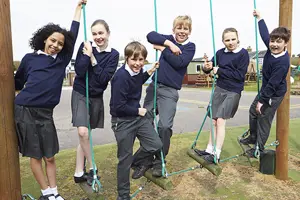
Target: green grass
{"type": "Point", "coordinates": [237, 181]}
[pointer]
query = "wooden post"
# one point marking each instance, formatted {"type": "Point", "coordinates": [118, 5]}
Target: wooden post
{"type": "Point", "coordinates": [10, 184]}
{"type": "Point", "coordinates": [283, 112]}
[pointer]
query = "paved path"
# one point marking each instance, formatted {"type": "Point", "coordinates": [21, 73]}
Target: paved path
{"type": "Point", "coordinates": [190, 114]}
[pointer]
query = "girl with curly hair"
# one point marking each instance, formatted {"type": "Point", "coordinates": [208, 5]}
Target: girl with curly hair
{"type": "Point", "coordinates": [40, 78]}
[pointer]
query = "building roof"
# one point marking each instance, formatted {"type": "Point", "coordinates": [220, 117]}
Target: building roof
{"type": "Point", "coordinates": [201, 59]}
{"type": "Point", "coordinates": [261, 54]}
{"type": "Point", "coordinates": [252, 55]}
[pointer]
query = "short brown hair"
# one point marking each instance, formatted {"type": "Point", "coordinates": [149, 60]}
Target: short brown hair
{"type": "Point", "coordinates": [282, 33]}
{"type": "Point", "coordinates": [135, 49]}
{"type": "Point", "coordinates": [183, 20]}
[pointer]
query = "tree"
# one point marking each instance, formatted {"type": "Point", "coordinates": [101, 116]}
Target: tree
{"type": "Point", "coordinates": [16, 65]}
{"type": "Point", "coordinates": [121, 58]}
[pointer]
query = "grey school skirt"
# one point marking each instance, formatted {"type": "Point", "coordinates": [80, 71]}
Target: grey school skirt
{"type": "Point", "coordinates": [36, 132]}
{"type": "Point", "coordinates": [80, 115]}
{"type": "Point", "coordinates": [224, 103]}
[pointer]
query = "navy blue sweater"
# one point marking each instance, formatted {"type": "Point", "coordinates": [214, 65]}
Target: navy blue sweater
{"type": "Point", "coordinates": [232, 69]}
{"type": "Point", "coordinates": [172, 68]}
{"type": "Point", "coordinates": [274, 70]}
{"type": "Point", "coordinates": [99, 75]}
{"type": "Point", "coordinates": [40, 77]}
{"type": "Point", "coordinates": [126, 92]}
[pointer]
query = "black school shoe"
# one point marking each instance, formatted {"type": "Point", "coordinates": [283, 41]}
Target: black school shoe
{"type": "Point", "coordinates": [251, 153]}
{"type": "Point", "coordinates": [90, 177]}
{"type": "Point", "coordinates": [248, 140]}
{"type": "Point", "coordinates": [210, 159]}
{"type": "Point", "coordinates": [139, 171]}
{"type": "Point", "coordinates": [46, 197]}
{"type": "Point", "coordinates": [81, 179]}
{"type": "Point", "coordinates": [201, 152]}
{"type": "Point", "coordinates": [157, 170]}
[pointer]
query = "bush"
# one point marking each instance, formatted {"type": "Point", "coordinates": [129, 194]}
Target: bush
{"type": "Point", "coordinates": [16, 65]}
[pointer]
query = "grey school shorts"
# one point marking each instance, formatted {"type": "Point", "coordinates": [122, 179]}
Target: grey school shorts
{"type": "Point", "coordinates": [80, 115]}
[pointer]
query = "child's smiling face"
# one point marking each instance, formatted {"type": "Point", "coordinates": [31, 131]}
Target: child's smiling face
{"type": "Point", "coordinates": [100, 35]}
{"type": "Point", "coordinates": [181, 33]}
{"type": "Point", "coordinates": [277, 45]}
{"type": "Point", "coordinates": [54, 43]}
{"type": "Point", "coordinates": [136, 63]}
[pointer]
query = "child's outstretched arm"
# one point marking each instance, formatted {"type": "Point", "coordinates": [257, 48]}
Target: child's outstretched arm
{"type": "Point", "coordinates": [73, 33]}
{"type": "Point", "coordinates": [263, 29]}
{"type": "Point", "coordinates": [77, 14]}
{"type": "Point", "coordinates": [153, 68]}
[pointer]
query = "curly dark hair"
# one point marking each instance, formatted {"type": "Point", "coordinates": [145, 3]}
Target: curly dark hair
{"type": "Point", "coordinates": [37, 41]}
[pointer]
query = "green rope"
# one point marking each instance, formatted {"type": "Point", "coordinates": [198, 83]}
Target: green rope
{"type": "Point", "coordinates": [230, 158]}
{"type": "Point", "coordinates": [198, 134]}
{"type": "Point", "coordinates": [256, 48]}
{"type": "Point", "coordinates": [96, 185]}
{"type": "Point", "coordinates": [273, 144]}
{"type": "Point", "coordinates": [256, 153]}
{"type": "Point", "coordinates": [185, 170]}
{"type": "Point", "coordinates": [209, 110]}
{"type": "Point", "coordinates": [139, 189]}
{"type": "Point", "coordinates": [214, 80]}
{"type": "Point", "coordinates": [164, 171]}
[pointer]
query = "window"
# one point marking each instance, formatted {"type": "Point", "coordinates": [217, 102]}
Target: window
{"type": "Point", "coordinates": [198, 68]}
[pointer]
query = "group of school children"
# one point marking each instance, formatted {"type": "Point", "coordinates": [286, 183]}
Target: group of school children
{"type": "Point", "coordinates": [40, 76]}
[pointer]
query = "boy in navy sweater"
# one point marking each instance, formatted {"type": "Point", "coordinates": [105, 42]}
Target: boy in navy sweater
{"type": "Point", "coordinates": [176, 54]}
{"type": "Point", "coordinates": [128, 118]}
{"type": "Point", "coordinates": [40, 77]}
{"type": "Point", "coordinates": [275, 68]}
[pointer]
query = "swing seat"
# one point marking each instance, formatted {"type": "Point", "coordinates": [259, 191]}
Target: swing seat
{"type": "Point", "coordinates": [253, 161]}
{"type": "Point", "coordinates": [215, 169]}
{"type": "Point", "coordinates": [162, 182]}
{"type": "Point", "coordinates": [88, 190]}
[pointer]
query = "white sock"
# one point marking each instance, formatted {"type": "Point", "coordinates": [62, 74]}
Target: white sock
{"type": "Point", "coordinates": [92, 169]}
{"type": "Point", "coordinates": [209, 149]}
{"type": "Point", "coordinates": [218, 152]}
{"type": "Point", "coordinates": [55, 192]}
{"type": "Point", "coordinates": [78, 174]}
{"type": "Point", "coordinates": [46, 192]}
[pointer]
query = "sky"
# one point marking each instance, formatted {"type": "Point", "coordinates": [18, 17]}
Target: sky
{"type": "Point", "coordinates": [132, 19]}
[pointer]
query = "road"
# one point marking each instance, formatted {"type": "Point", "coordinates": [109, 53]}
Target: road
{"type": "Point", "coordinates": [190, 113]}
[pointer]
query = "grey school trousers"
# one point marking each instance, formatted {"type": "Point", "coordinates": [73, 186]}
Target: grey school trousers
{"type": "Point", "coordinates": [167, 98]}
{"type": "Point", "coordinates": [126, 129]}
{"type": "Point", "coordinates": [260, 124]}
